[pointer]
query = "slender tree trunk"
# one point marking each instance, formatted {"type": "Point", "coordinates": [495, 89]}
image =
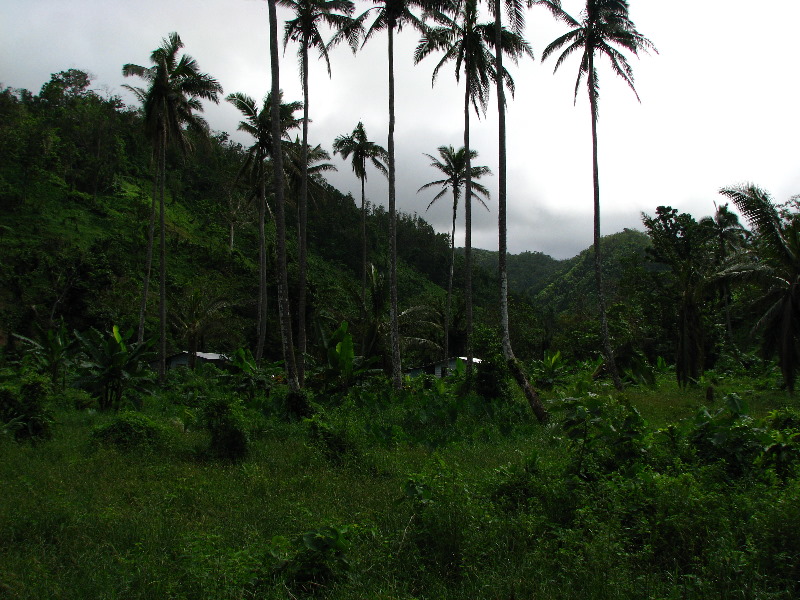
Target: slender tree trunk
{"type": "Point", "coordinates": [397, 377]}
{"type": "Point", "coordinates": [468, 220]}
{"type": "Point", "coordinates": [192, 350]}
{"type": "Point", "coordinates": [280, 213]}
{"type": "Point", "coordinates": [363, 265]}
{"type": "Point", "coordinates": [149, 257]}
{"type": "Point", "coordinates": [162, 258]}
{"type": "Point", "coordinates": [448, 306]}
{"type": "Point", "coordinates": [261, 317]}
{"type": "Point", "coordinates": [532, 396]}
{"type": "Point", "coordinates": [598, 262]}
{"type": "Point", "coordinates": [302, 221]}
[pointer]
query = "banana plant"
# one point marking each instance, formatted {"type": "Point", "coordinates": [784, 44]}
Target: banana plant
{"type": "Point", "coordinates": [110, 365]}
{"type": "Point", "coordinates": [51, 353]}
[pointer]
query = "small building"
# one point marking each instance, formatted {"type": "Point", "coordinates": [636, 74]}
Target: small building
{"type": "Point", "coordinates": [437, 367]}
{"type": "Point", "coordinates": [182, 359]}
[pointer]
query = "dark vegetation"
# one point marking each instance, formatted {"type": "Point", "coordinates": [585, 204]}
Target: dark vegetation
{"type": "Point", "coordinates": [225, 483]}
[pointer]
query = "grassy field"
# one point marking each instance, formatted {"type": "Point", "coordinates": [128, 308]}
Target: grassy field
{"type": "Point", "coordinates": [422, 494]}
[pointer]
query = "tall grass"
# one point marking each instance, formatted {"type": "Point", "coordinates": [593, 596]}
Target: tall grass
{"type": "Point", "coordinates": [420, 494]}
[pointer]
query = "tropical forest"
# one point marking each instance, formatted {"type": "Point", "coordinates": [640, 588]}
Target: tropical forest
{"type": "Point", "coordinates": [221, 377]}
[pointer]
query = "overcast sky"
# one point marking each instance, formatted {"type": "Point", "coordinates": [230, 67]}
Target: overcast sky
{"type": "Point", "coordinates": [719, 104]}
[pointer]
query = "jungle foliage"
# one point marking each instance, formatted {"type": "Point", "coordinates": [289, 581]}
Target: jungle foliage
{"type": "Point", "coordinates": [225, 483]}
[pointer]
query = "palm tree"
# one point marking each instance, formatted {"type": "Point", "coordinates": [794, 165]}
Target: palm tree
{"type": "Point", "coordinates": [258, 123]}
{"type": "Point", "coordinates": [362, 150]}
{"type": "Point", "coordinates": [304, 29]}
{"type": "Point", "coordinates": [775, 265]}
{"type": "Point", "coordinates": [517, 17]}
{"type": "Point", "coordinates": [313, 166]}
{"type": "Point", "coordinates": [391, 15]}
{"type": "Point", "coordinates": [416, 323]}
{"type": "Point", "coordinates": [196, 316]}
{"type": "Point", "coordinates": [604, 27]}
{"type": "Point", "coordinates": [280, 213]}
{"type": "Point", "coordinates": [466, 42]}
{"type": "Point", "coordinates": [170, 104]}
{"type": "Point", "coordinates": [453, 165]}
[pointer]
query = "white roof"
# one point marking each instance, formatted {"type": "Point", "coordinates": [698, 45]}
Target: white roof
{"type": "Point", "coordinates": [209, 355]}
{"type": "Point", "coordinates": [475, 360]}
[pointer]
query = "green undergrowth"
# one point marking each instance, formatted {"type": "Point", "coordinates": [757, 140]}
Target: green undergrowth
{"type": "Point", "coordinates": [427, 492]}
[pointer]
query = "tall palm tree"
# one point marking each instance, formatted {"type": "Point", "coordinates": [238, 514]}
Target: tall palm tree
{"type": "Point", "coordinates": [304, 29]}
{"type": "Point", "coordinates": [170, 103]}
{"type": "Point", "coordinates": [775, 265]}
{"type": "Point", "coordinates": [453, 165]}
{"type": "Point", "coordinates": [605, 29]}
{"type": "Point", "coordinates": [258, 123]}
{"type": "Point", "coordinates": [391, 15]}
{"type": "Point", "coordinates": [516, 15]}
{"type": "Point", "coordinates": [280, 209]}
{"type": "Point", "coordinates": [362, 150]}
{"type": "Point", "coordinates": [467, 43]}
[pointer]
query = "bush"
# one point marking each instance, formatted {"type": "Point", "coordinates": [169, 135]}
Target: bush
{"type": "Point", "coordinates": [23, 414]}
{"type": "Point", "coordinates": [224, 418]}
{"type": "Point", "coordinates": [332, 437]}
{"type": "Point", "coordinates": [129, 430]}
{"type": "Point", "coordinates": [313, 559]}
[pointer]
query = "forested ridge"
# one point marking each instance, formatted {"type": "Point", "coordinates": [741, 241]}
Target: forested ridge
{"type": "Point", "coordinates": [640, 440]}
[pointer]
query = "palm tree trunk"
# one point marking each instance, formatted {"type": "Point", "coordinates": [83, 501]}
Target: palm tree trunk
{"type": "Point", "coordinates": [447, 309]}
{"type": "Point", "coordinates": [149, 257]}
{"type": "Point", "coordinates": [302, 221]}
{"type": "Point", "coordinates": [397, 378]}
{"type": "Point", "coordinates": [598, 263]}
{"type": "Point", "coordinates": [261, 317]}
{"type": "Point", "coordinates": [531, 395]}
{"type": "Point", "coordinates": [162, 257]}
{"type": "Point", "coordinates": [468, 221]}
{"type": "Point", "coordinates": [363, 264]}
{"type": "Point", "coordinates": [277, 163]}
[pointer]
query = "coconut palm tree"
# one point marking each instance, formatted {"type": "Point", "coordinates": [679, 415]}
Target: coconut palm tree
{"type": "Point", "coordinates": [362, 150]}
{"type": "Point", "coordinates": [198, 314]}
{"type": "Point", "coordinates": [393, 15]}
{"type": "Point", "coordinates": [258, 123]}
{"type": "Point", "coordinates": [605, 29]}
{"type": "Point", "coordinates": [313, 166]}
{"type": "Point", "coordinates": [280, 209]}
{"type": "Point", "coordinates": [304, 29]}
{"type": "Point", "coordinates": [170, 103]}
{"type": "Point", "coordinates": [467, 43]}
{"type": "Point", "coordinates": [453, 165]}
{"type": "Point", "coordinates": [774, 263]}
{"type": "Point", "coordinates": [516, 15]}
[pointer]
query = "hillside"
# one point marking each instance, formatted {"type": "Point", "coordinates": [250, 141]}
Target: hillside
{"type": "Point", "coordinates": [557, 285]}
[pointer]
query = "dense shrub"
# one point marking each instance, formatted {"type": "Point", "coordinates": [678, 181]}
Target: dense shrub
{"type": "Point", "coordinates": [129, 430]}
{"type": "Point", "coordinates": [23, 411]}
{"type": "Point", "coordinates": [314, 559]}
{"type": "Point", "coordinates": [224, 418]}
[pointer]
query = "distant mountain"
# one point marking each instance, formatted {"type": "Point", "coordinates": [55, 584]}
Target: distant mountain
{"type": "Point", "coordinates": [577, 284]}
{"type": "Point", "coordinates": [528, 272]}
{"type": "Point", "coordinates": [560, 284]}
